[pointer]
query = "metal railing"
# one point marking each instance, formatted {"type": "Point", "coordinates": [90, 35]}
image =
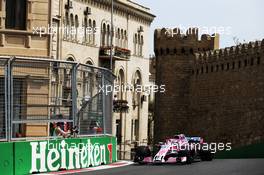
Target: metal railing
{"type": "Point", "coordinates": [43, 98]}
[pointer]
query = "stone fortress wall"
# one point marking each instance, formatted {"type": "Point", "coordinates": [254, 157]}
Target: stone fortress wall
{"type": "Point", "coordinates": [210, 92]}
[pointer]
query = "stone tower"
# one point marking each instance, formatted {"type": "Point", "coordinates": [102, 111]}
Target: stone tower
{"type": "Point", "coordinates": [175, 55]}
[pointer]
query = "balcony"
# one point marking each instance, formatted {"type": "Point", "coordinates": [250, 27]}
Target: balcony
{"type": "Point", "coordinates": [119, 54]}
{"type": "Point", "coordinates": [120, 106]}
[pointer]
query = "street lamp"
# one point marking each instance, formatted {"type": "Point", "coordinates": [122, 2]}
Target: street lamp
{"type": "Point", "coordinates": [111, 38]}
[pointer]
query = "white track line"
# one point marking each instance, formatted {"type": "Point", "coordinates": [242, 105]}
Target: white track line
{"type": "Point", "coordinates": [102, 167]}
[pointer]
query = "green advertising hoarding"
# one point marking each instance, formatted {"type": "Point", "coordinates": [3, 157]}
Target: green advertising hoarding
{"type": "Point", "coordinates": [6, 158]}
{"type": "Point", "coordinates": [54, 155]}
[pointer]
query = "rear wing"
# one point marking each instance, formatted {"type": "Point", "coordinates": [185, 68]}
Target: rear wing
{"type": "Point", "coordinates": [195, 139]}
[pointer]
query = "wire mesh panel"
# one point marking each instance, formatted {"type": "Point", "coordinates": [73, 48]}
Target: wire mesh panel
{"type": "Point", "coordinates": [3, 120]}
{"type": "Point", "coordinates": [50, 98]}
{"type": "Point", "coordinates": [108, 101]}
{"type": "Point", "coordinates": [41, 98]}
{"type": "Point", "coordinates": [90, 102]}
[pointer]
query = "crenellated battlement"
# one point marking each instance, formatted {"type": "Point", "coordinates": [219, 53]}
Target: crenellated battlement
{"type": "Point", "coordinates": [220, 89]}
{"type": "Point", "coordinates": [230, 53]}
{"type": "Point", "coordinates": [172, 41]}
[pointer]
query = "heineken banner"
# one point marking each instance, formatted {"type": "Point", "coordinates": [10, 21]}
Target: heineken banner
{"type": "Point", "coordinates": [54, 155]}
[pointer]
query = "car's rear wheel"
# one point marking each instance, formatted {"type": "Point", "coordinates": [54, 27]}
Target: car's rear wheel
{"type": "Point", "coordinates": [140, 153]}
{"type": "Point", "coordinates": [188, 155]}
{"type": "Point", "coordinates": [206, 156]}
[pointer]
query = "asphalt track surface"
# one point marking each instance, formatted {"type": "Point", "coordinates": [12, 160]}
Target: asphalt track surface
{"type": "Point", "coordinates": [215, 167]}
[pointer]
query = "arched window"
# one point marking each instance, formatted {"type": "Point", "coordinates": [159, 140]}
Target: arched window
{"type": "Point", "coordinates": [90, 31]}
{"type": "Point", "coordinates": [167, 51]}
{"type": "Point", "coordinates": [121, 38]}
{"type": "Point", "coordinates": [125, 39]}
{"type": "Point", "coordinates": [118, 37]}
{"type": "Point", "coordinates": [67, 26]}
{"type": "Point", "coordinates": [141, 45]}
{"type": "Point", "coordinates": [191, 51]}
{"type": "Point", "coordinates": [175, 51]}
{"type": "Point", "coordinates": [94, 31]}
{"type": "Point", "coordinates": [120, 82]}
{"type": "Point", "coordinates": [108, 35]}
{"type": "Point", "coordinates": [85, 30]}
{"type": "Point", "coordinates": [137, 81]}
{"type": "Point", "coordinates": [103, 34]}
{"type": "Point", "coordinates": [135, 44]}
{"type": "Point", "coordinates": [161, 51]}
{"type": "Point", "coordinates": [258, 61]}
{"type": "Point", "coordinates": [88, 81]}
{"type": "Point", "coordinates": [183, 50]}
{"type": "Point", "coordinates": [71, 27]}
{"type": "Point", "coordinates": [76, 28]}
{"type": "Point", "coordinates": [138, 46]}
{"type": "Point", "coordinates": [212, 68]}
{"type": "Point", "coordinates": [252, 61]}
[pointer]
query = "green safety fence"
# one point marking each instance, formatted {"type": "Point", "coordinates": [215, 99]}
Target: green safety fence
{"type": "Point", "coordinates": [21, 158]}
{"type": "Point", "coordinates": [246, 152]}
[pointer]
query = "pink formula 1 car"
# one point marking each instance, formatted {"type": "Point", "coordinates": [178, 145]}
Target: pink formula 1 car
{"type": "Point", "coordinates": [177, 149]}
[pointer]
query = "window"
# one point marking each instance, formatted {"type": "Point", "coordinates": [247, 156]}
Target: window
{"type": "Point", "coordinates": [252, 61]}
{"type": "Point", "coordinates": [76, 28]}
{"type": "Point", "coordinates": [245, 63]}
{"type": "Point", "coordinates": [135, 45]}
{"type": "Point", "coordinates": [108, 36]}
{"type": "Point", "coordinates": [103, 35]}
{"type": "Point", "coordinates": [217, 68]}
{"type": "Point", "coordinates": [122, 38]}
{"type": "Point", "coordinates": [67, 24]}
{"type": "Point", "coordinates": [258, 60]}
{"type": "Point", "coordinates": [16, 14]}
{"type": "Point", "coordinates": [239, 64]}
{"type": "Point", "coordinates": [94, 31]}
{"type": "Point", "coordinates": [141, 45]}
{"type": "Point", "coordinates": [90, 31]}
{"type": "Point", "coordinates": [85, 30]}
{"type": "Point", "coordinates": [125, 39]}
{"type": "Point", "coordinates": [72, 27]}
{"type": "Point", "coordinates": [167, 51]}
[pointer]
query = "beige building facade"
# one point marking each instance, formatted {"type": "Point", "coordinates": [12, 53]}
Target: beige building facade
{"type": "Point", "coordinates": [17, 38]}
{"type": "Point", "coordinates": [84, 35]}
{"type": "Point", "coordinates": [79, 30]}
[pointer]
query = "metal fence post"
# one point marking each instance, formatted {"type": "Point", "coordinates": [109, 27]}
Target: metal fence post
{"type": "Point", "coordinates": [10, 97]}
{"type": "Point", "coordinates": [6, 101]}
{"type": "Point", "coordinates": [74, 92]}
{"type": "Point", "coordinates": [103, 95]}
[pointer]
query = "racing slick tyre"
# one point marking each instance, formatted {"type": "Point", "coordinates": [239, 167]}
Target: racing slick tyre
{"type": "Point", "coordinates": [188, 155]}
{"type": "Point", "coordinates": [206, 155]}
{"type": "Point", "coordinates": [189, 158]}
{"type": "Point", "coordinates": [140, 153]}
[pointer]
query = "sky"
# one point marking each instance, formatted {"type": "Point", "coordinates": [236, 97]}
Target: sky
{"type": "Point", "coordinates": [238, 21]}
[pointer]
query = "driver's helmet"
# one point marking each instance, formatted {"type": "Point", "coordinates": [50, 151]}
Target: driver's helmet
{"type": "Point", "coordinates": [182, 136]}
{"type": "Point", "coordinates": [176, 137]}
